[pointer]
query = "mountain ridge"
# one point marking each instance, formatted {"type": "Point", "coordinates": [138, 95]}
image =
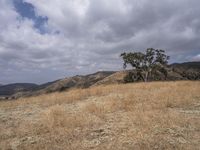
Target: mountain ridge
{"type": "Point", "coordinates": [176, 71]}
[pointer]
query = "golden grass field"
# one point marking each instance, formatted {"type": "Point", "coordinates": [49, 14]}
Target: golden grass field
{"type": "Point", "coordinates": [156, 115]}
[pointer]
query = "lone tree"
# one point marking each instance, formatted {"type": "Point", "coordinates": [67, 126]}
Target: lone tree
{"type": "Point", "coordinates": [146, 63]}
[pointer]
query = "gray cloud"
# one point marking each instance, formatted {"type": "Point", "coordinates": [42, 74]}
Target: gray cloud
{"type": "Point", "coordinates": [92, 34]}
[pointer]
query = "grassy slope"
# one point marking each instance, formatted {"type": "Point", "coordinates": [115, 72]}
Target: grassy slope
{"type": "Point", "coordinates": [157, 115]}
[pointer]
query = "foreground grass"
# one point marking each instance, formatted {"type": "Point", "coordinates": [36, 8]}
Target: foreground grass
{"type": "Point", "coordinates": [159, 115]}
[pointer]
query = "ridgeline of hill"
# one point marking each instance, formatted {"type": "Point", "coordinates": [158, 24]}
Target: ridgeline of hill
{"type": "Point", "coordinates": [176, 71]}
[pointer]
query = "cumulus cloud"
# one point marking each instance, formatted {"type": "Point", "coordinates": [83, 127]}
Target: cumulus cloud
{"type": "Point", "coordinates": [84, 36]}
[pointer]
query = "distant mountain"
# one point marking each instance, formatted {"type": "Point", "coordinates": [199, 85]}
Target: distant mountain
{"type": "Point", "coordinates": [10, 89]}
{"type": "Point", "coordinates": [78, 81]}
{"type": "Point", "coordinates": [177, 71]}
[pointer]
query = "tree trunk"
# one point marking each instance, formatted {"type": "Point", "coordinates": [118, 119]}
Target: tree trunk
{"type": "Point", "coordinates": [146, 76]}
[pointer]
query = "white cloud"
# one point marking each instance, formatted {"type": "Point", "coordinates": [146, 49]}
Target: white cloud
{"type": "Point", "coordinates": [7, 14]}
{"type": "Point", "coordinates": [92, 34]}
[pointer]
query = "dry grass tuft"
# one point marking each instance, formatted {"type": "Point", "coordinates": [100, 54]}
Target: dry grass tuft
{"type": "Point", "coordinates": [55, 117]}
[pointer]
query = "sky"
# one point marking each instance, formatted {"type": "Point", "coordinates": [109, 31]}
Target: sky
{"type": "Point", "coordinates": [44, 40]}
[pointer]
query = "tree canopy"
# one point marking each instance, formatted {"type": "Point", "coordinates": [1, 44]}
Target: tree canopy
{"type": "Point", "coordinates": [146, 63]}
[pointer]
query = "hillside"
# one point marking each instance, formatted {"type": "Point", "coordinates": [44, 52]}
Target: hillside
{"type": "Point", "coordinates": [182, 71]}
{"type": "Point", "coordinates": [117, 77]}
{"type": "Point", "coordinates": [19, 90]}
{"type": "Point", "coordinates": [67, 84]}
{"type": "Point", "coordinates": [187, 70]}
{"type": "Point", "coordinates": [77, 82]}
{"type": "Point", "coordinates": [156, 115]}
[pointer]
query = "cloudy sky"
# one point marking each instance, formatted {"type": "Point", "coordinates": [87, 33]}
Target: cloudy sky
{"type": "Point", "coordinates": [43, 40]}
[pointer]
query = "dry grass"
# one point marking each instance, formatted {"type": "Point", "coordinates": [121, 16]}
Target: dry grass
{"type": "Point", "coordinates": [157, 115]}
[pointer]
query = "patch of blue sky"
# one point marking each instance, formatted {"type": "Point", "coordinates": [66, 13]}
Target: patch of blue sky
{"type": "Point", "coordinates": [27, 10]}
